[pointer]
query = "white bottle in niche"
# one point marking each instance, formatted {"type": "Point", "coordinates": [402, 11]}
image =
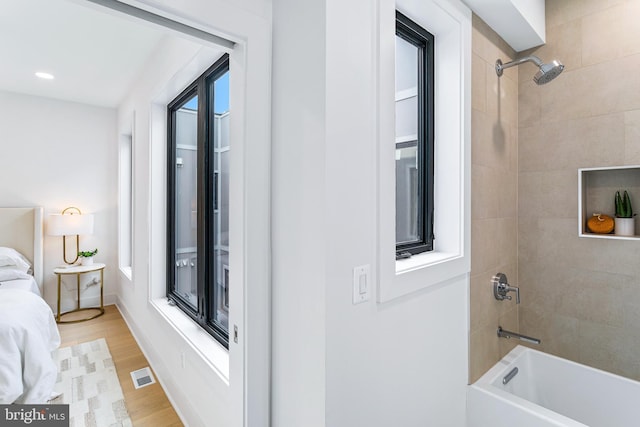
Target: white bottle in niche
{"type": "Point", "coordinates": [624, 227]}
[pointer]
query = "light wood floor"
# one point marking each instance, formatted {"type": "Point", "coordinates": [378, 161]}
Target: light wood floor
{"type": "Point", "coordinates": [147, 406]}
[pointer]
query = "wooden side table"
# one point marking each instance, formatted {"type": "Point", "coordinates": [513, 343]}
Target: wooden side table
{"type": "Point", "coordinates": [79, 270]}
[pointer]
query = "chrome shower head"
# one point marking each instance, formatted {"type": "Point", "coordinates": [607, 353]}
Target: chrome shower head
{"type": "Point", "coordinates": [546, 73]}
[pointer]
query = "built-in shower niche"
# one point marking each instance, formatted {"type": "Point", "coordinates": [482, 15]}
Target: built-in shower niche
{"type": "Point", "coordinates": [596, 190]}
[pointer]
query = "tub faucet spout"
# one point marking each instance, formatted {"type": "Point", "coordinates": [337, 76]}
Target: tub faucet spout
{"type": "Point", "coordinates": [501, 288]}
{"type": "Point", "coordinates": [502, 333]}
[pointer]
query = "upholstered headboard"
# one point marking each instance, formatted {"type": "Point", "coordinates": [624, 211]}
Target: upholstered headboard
{"type": "Point", "coordinates": [21, 228]}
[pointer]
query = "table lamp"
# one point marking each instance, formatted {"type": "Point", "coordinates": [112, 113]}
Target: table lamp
{"type": "Point", "coordinates": [68, 223]}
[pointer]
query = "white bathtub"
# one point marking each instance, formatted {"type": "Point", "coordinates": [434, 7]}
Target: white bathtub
{"type": "Point", "coordinates": [550, 391]}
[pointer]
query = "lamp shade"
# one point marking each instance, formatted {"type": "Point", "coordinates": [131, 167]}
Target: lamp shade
{"type": "Point", "coordinates": [69, 225]}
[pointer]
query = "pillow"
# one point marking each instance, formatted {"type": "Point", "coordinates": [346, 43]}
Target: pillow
{"type": "Point", "coordinates": [12, 274]}
{"type": "Point", "coordinates": [11, 257]}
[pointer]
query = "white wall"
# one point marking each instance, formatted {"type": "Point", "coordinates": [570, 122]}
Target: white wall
{"type": "Point", "coordinates": [57, 154]}
{"type": "Point", "coordinates": [196, 390]}
{"type": "Point", "coordinates": [334, 364]}
{"type": "Point", "coordinates": [299, 226]}
{"type": "Point", "coordinates": [401, 363]}
{"type": "Point", "coordinates": [204, 392]}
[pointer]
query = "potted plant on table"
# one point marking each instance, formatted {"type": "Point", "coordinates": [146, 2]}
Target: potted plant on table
{"type": "Point", "coordinates": [624, 215]}
{"type": "Point", "coordinates": [86, 257]}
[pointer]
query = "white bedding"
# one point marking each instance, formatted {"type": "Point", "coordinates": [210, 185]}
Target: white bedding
{"type": "Point", "coordinates": [24, 284]}
{"type": "Point", "coordinates": [28, 335]}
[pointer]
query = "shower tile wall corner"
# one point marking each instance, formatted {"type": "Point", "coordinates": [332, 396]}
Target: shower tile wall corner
{"type": "Point", "coordinates": [494, 200]}
{"type": "Point", "coordinates": [579, 296]}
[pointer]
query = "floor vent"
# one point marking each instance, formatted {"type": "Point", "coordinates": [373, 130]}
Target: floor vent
{"type": "Point", "coordinates": [142, 377]}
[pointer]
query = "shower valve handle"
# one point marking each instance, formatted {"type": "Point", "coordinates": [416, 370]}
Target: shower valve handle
{"type": "Point", "coordinates": [501, 287]}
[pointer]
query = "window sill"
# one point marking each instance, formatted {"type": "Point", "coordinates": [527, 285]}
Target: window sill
{"type": "Point", "coordinates": [126, 272]}
{"type": "Point", "coordinates": [423, 260]}
{"type": "Point", "coordinates": [203, 344]}
{"type": "Point", "coordinates": [421, 272]}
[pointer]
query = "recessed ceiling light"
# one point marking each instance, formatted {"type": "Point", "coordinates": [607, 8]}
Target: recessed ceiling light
{"type": "Point", "coordinates": [45, 76]}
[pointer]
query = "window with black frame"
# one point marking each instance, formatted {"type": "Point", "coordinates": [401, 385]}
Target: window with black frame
{"type": "Point", "coordinates": [198, 201]}
{"type": "Point", "coordinates": [414, 138]}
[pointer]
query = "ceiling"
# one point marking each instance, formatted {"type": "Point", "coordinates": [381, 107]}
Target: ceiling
{"type": "Point", "coordinates": [94, 54]}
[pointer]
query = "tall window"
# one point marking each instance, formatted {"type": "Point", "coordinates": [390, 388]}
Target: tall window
{"type": "Point", "coordinates": [198, 201]}
{"type": "Point", "coordinates": [414, 138]}
{"type": "Point", "coordinates": [126, 204]}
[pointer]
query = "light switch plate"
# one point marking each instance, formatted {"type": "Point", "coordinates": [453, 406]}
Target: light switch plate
{"type": "Point", "coordinates": [361, 284]}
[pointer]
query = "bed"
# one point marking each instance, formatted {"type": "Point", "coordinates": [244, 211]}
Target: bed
{"type": "Point", "coordinates": [28, 333]}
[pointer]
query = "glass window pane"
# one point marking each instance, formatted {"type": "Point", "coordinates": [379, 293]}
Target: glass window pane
{"type": "Point", "coordinates": [407, 119]}
{"type": "Point", "coordinates": [407, 195]}
{"type": "Point", "coordinates": [408, 191]}
{"type": "Point", "coordinates": [406, 65]}
{"type": "Point", "coordinates": [221, 204]}
{"type": "Point", "coordinates": [186, 202]}
{"type": "Point", "coordinates": [406, 89]}
{"type": "Point", "coordinates": [125, 242]}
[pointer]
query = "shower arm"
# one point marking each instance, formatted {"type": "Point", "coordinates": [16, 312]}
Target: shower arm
{"type": "Point", "coordinates": [531, 58]}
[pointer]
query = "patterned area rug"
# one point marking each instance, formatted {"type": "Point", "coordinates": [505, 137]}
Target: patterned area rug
{"type": "Point", "coordinates": [88, 382]}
